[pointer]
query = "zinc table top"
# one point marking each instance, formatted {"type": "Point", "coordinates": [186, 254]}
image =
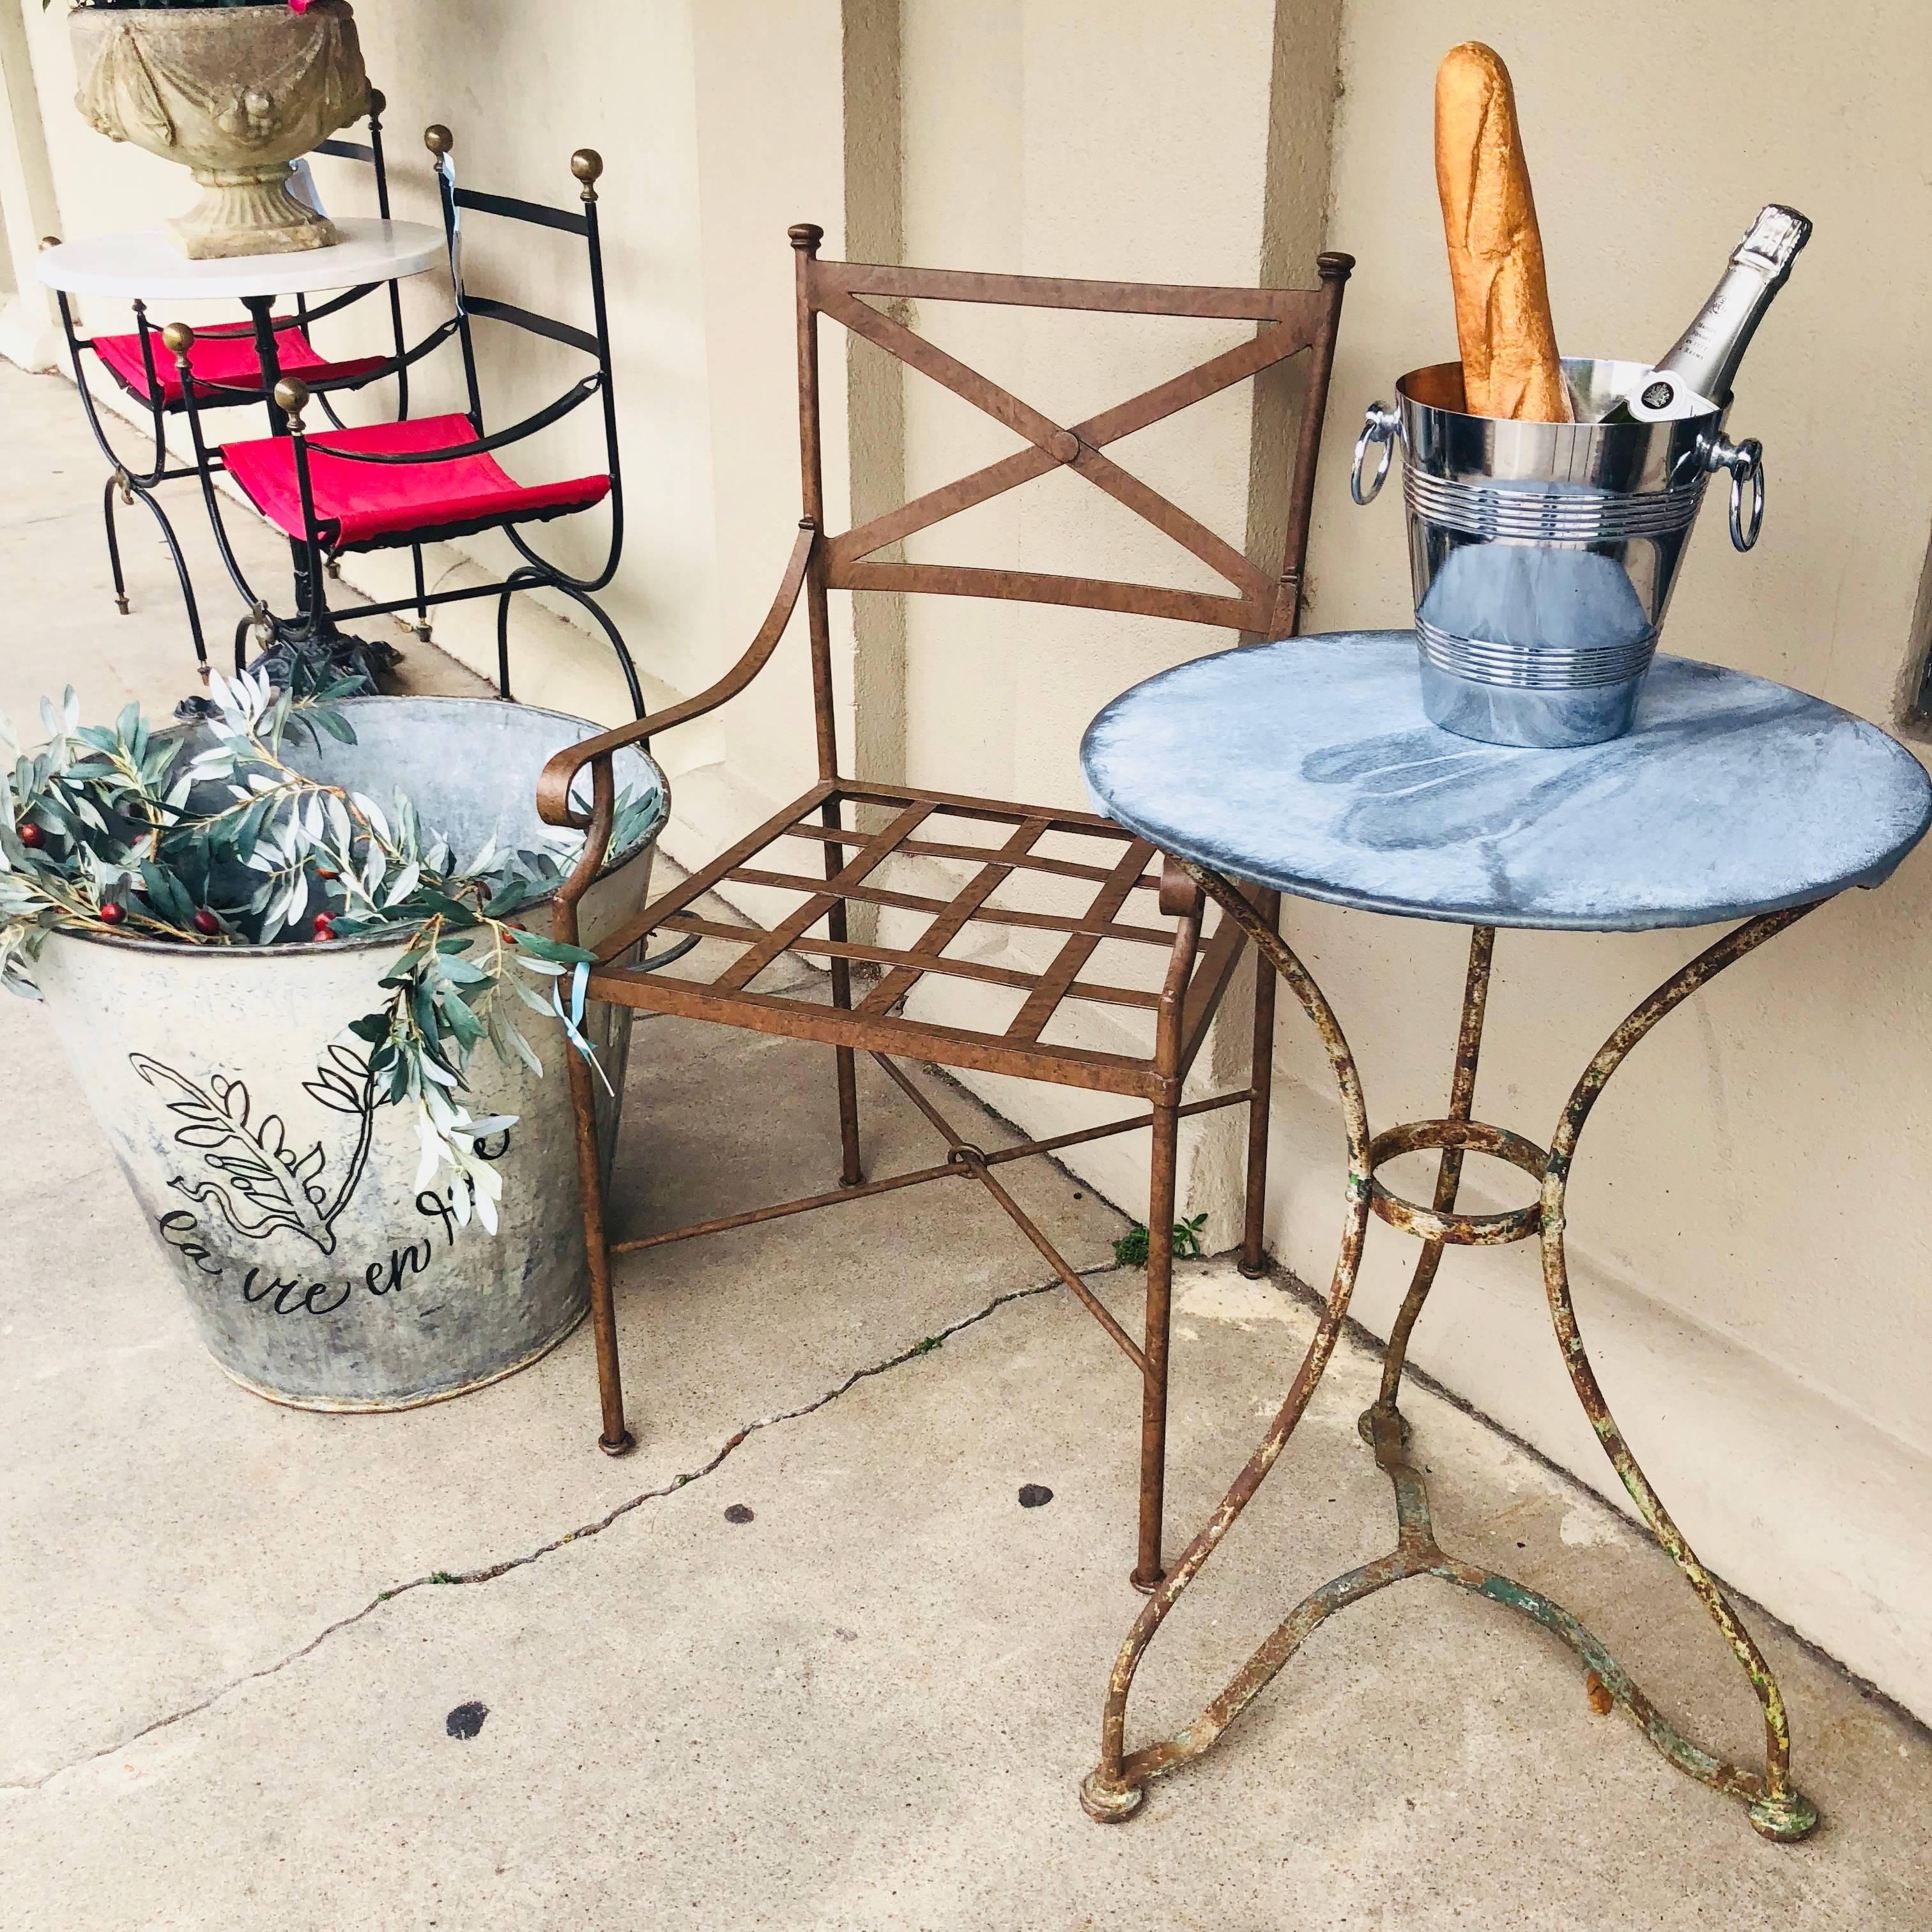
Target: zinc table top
{"type": "Point", "coordinates": [1307, 765]}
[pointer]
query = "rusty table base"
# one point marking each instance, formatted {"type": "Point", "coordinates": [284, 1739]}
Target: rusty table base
{"type": "Point", "coordinates": [1116, 1788]}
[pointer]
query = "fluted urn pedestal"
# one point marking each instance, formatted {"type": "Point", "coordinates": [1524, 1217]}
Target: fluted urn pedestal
{"type": "Point", "coordinates": [235, 94]}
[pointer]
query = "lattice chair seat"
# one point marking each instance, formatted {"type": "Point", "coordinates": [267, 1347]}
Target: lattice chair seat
{"type": "Point", "coordinates": [788, 855]}
{"type": "Point", "coordinates": [367, 506]}
{"type": "Point", "coordinates": [223, 359]}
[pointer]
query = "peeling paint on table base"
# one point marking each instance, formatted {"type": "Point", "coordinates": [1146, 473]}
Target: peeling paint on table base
{"type": "Point", "coordinates": [1115, 1789]}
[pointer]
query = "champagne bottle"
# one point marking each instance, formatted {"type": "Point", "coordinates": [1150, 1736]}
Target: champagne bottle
{"type": "Point", "coordinates": [1695, 376]}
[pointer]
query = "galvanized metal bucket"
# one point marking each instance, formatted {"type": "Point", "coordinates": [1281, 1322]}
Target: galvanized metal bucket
{"type": "Point", "coordinates": [224, 1080]}
{"type": "Point", "coordinates": [1542, 556]}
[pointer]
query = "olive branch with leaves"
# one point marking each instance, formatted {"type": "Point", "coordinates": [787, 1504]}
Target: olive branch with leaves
{"type": "Point", "coordinates": [215, 838]}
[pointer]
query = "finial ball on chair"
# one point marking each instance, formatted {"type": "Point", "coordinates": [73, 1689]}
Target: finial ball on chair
{"type": "Point", "coordinates": [178, 338]}
{"type": "Point", "coordinates": [292, 397]}
{"type": "Point", "coordinates": [437, 139]}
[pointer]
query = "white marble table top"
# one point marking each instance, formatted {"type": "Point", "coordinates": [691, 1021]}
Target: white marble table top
{"type": "Point", "coordinates": [143, 265]}
{"type": "Point", "coordinates": [1308, 766]}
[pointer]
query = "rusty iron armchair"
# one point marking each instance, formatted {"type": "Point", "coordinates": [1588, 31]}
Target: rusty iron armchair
{"type": "Point", "coordinates": [1261, 604]}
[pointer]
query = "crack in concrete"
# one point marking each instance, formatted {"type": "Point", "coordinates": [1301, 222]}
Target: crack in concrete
{"type": "Point", "coordinates": [438, 1578]}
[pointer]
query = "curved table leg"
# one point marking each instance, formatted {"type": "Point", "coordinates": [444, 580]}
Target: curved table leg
{"type": "Point", "coordinates": [1449, 1175]}
{"type": "Point", "coordinates": [1113, 1790]}
{"type": "Point", "coordinates": [1777, 1810]}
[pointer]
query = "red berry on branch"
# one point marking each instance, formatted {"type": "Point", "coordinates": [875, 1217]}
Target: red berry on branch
{"type": "Point", "coordinates": [113, 912]}
{"type": "Point", "coordinates": [31, 834]}
{"type": "Point", "coordinates": [321, 872]}
{"type": "Point", "coordinates": [205, 921]}
{"type": "Point", "coordinates": [324, 931]}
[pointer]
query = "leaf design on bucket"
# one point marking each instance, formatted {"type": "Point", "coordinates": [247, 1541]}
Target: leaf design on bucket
{"type": "Point", "coordinates": [263, 1174]}
{"type": "Point", "coordinates": [341, 1082]}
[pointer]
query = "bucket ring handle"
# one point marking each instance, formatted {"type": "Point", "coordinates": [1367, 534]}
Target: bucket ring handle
{"type": "Point", "coordinates": [1379, 425]}
{"type": "Point", "coordinates": [1745, 461]}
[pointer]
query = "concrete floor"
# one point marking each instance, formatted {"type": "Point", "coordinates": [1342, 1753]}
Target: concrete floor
{"type": "Point", "coordinates": [235, 1634]}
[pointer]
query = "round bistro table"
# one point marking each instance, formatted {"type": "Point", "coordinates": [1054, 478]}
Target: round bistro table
{"type": "Point", "coordinates": [1306, 767]}
{"type": "Point", "coordinates": [143, 264]}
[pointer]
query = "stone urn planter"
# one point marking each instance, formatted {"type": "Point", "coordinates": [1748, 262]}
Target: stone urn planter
{"type": "Point", "coordinates": [289, 1205]}
{"type": "Point", "coordinates": [234, 93]}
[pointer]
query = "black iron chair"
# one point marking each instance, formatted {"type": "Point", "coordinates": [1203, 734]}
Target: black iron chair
{"type": "Point", "coordinates": [226, 369]}
{"type": "Point", "coordinates": [400, 485]}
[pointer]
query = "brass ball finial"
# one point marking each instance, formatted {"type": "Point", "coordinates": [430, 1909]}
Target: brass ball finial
{"type": "Point", "coordinates": [806, 235]}
{"type": "Point", "coordinates": [587, 165]}
{"type": "Point", "coordinates": [178, 338]}
{"type": "Point", "coordinates": [378, 101]}
{"type": "Point", "coordinates": [292, 398]}
{"type": "Point", "coordinates": [437, 139]}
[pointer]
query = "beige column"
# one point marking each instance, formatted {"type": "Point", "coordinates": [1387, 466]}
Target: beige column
{"type": "Point", "coordinates": [29, 322]}
{"type": "Point", "coordinates": [875, 394]}
{"type": "Point", "coordinates": [1130, 139]}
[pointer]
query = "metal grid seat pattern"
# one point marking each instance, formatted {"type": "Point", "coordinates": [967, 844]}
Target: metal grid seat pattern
{"type": "Point", "coordinates": [1119, 882]}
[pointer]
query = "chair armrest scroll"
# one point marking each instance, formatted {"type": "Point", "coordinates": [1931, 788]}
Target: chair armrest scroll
{"type": "Point", "coordinates": [393, 365]}
{"type": "Point", "coordinates": [481, 445]}
{"type": "Point", "coordinates": [553, 786]}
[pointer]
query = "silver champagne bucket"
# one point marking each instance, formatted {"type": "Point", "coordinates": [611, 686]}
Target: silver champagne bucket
{"type": "Point", "coordinates": [1542, 555]}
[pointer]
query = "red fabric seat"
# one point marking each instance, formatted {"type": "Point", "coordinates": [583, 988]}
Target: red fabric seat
{"type": "Point", "coordinates": [224, 356]}
{"type": "Point", "coordinates": [365, 505]}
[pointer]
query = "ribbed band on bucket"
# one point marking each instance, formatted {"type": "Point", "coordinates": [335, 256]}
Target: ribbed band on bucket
{"type": "Point", "coordinates": [1532, 668]}
{"type": "Point", "coordinates": [1549, 513]}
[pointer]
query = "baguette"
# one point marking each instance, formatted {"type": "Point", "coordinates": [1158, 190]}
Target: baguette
{"type": "Point", "coordinates": [1503, 327]}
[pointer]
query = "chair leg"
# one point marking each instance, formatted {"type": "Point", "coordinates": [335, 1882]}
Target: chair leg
{"type": "Point", "coordinates": [850, 1172]}
{"type": "Point", "coordinates": [186, 583]}
{"type": "Point", "coordinates": [511, 587]}
{"type": "Point", "coordinates": [1147, 1574]}
{"type": "Point", "coordinates": [1261, 1089]}
{"type": "Point", "coordinates": [422, 595]}
{"type": "Point", "coordinates": [602, 617]}
{"type": "Point", "coordinates": [615, 1439]}
{"type": "Point", "coordinates": [131, 492]}
{"type": "Point", "coordinates": [114, 544]}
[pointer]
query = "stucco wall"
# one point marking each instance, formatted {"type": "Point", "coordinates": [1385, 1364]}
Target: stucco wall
{"type": "Point", "coordinates": [1750, 1259]}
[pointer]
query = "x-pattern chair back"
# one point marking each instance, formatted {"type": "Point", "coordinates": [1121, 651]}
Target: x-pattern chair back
{"type": "Point", "coordinates": [1295, 319]}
